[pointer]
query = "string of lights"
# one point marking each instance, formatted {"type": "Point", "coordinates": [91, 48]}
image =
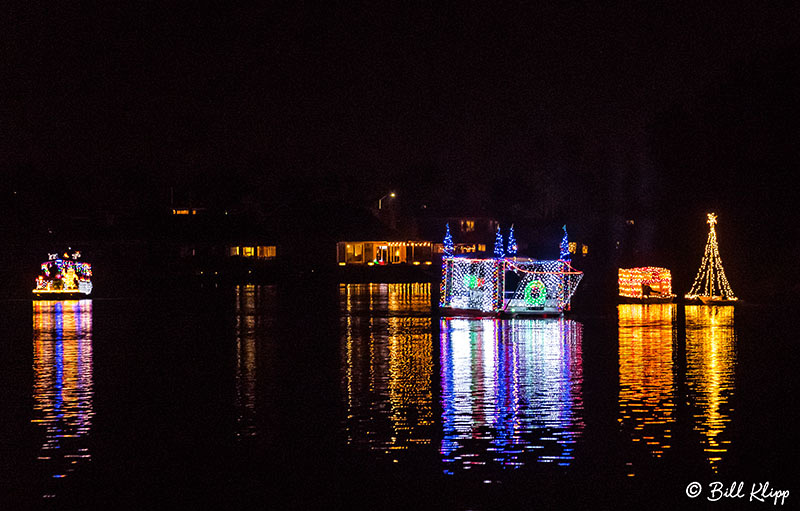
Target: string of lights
{"type": "Point", "coordinates": [711, 281]}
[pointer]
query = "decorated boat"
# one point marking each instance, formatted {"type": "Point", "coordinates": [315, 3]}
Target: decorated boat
{"type": "Point", "coordinates": [507, 286]}
{"type": "Point", "coordinates": [64, 277]}
{"type": "Point", "coordinates": [649, 284]}
{"type": "Point", "coordinates": [711, 286]}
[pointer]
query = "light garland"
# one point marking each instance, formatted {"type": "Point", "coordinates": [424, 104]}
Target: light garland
{"type": "Point", "coordinates": [512, 242]}
{"type": "Point", "coordinates": [632, 280]}
{"type": "Point", "coordinates": [558, 279]}
{"type": "Point", "coordinates": [564, 248]}
{"type": "Point", "coordinates": [711, 281]}
{"type": "Point", "coordinates": [499, 252]}
{"type": "Point", "coordinates": [64, 276]}
{"type": "Point", "coordinates": [479, 284]}
{"type": "Point", "coordinates": [541, 293]}
{"type": "Point", "coordinates": [448, 242]}
{"type": "Point", "coordinates": [472, 284]}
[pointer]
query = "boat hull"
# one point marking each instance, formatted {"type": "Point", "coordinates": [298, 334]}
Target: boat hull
{"type": "Point", "coordinates": [509, 313]}
{"type": "Point", "coordinates": [647, 299]}
{"type": "Point", "coordinates": [711, 300]}
{"type": "Point", "coordinates": [60, 295]}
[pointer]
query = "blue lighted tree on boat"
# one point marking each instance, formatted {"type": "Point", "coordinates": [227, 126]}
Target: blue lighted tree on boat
{"type": "Point", "coordinates": [512, 242]}
{"type": "Point", "coordinates": [499, 252]}
{"type": "Point", "coordinates": [448, 242]}
{"type": "Point", "coordinates": [564, 256]}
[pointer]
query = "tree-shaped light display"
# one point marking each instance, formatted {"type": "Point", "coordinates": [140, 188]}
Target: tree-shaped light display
{"type": "Point", "coordinates": [564, 255]}
{"type": "Point", "coordinates": [512, 242]}
{"type": "Point", "coordinates": [499, 252]}
{"type": "Point", "coordinates": [448, 243]}
{"type": "Point", "coordinates": [710, 282]}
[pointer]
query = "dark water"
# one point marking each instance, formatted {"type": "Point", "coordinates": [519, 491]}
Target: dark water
{"type": "Point", "coordinates": [357, 396]}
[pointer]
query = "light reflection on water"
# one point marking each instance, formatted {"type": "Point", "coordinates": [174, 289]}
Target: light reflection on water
{"type": "Point", "coordinates": [511, 392]}
{"type": "Point", "coordinates": [647, 379]}
{"type": "Point", "coordinates": [254, 311]}
{"type": "Point", "coordinates": [710, 365]}
{"type": "Point", "coordinates": [510, 389]}
{"type": "Point", "coordinates": [388, 367]}
{"type": "Point", "coordinates": [62, 386]}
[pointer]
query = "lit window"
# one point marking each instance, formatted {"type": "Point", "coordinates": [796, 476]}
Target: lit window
{"type": "Point", "coordinates": [573, 247]}
{"type": "Point", "coordinates": [481, 248]}
{"type": "Point", "coordinates": [584, 249]}
{"type": "Point", "coordinates": [266, 252]}
{"type": "Point", "coordinates": [234, 251]}
{"type": "Point", "coordinates": [248, 251]}
{"type": "Point", "coordinates": [180, 211]}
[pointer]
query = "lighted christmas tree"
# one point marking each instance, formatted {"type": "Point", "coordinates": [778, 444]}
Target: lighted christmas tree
{"type": "Point", "coordinates": [512, 242]}
{"type": "Point", "coordinates": [448, 243]}
{"type": "Point", "coordinates": [499, 252]}
{"type": "Point", "coordinates": [564, 255]}
{"type": "Point", "coordinates": [710, 282]}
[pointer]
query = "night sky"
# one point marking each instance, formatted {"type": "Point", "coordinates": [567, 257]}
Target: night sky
{"type": "Point", "coordinates": [582, 114]}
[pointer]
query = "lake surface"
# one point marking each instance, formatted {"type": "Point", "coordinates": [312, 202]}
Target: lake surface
{"type": "Point", "coordinates": [357, 395]}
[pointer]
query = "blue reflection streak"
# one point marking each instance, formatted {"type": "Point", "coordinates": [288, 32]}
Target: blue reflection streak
{"type": "Point", "coordinates": [511, 392]}
{"type": "Point", "coordinates": [59, 362]}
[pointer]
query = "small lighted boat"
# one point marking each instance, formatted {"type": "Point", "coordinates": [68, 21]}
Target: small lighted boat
{"type": "Point", "coordinates": [648, 284]}
{"type": "Point", "coordinates": [711, 285]}
{"type": "Point", "coordinates": [506, 286]}
{"type": "Point", "coordinates": [64, 277]}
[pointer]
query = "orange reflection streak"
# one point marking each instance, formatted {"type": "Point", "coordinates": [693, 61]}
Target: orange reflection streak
{"type": "Point", "coordinates": [647, 383]}
{"type": "Point", "coordinates": [62, 382]}
{"type": "Point", "coordinates": [255, 306]}
{"type": "Point", "coordinates": [245, 361]}
{"type": "Point", "coordinates": [710, 364]}
{"type": "Point", "coordinates": [387, 366]}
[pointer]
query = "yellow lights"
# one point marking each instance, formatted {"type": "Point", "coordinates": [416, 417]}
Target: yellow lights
{"type": "Point", "coordinates": [388, 374]}
{"type": "Point", "coordinates": [63, 383]}
{"type": "Point", "coordinates": [710, 375]}
{"type": "Point", "coordinates": [180, 211]}
{"type": "Point", "coordinates": [649, 280]}
{"type": "Point", "coordinates": [573, 247]}
{"type": "Point", "coordinates": [415, 263]}
{"type": "Point", "coordinates": [370, 263]}
{"type": "Point", "coordinates": [392, 195]}
{"type": "Point", "coordinates": [584, 249]}
{"type": "Point", "coordinates": [343, 263]}
{"type": "Point", "coordinates": [384, 252]}
{"type": "Point", "coordinates": [428, 262]}
{"type": "Point", "coordinates": [647, 393]}
{"type": "Point", "coordinates": [711, 284]}
{"type": "Point", "coordinates": [259, 252]}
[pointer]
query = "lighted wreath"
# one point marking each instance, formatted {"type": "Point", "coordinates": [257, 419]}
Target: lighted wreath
{"type": "Point", "coordinates": [540, 290]}
{"type": "Point", "coordinates": [473, 282]}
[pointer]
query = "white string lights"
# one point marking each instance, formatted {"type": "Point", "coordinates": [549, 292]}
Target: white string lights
{"type": "Point", "coordinates": [710, 282]}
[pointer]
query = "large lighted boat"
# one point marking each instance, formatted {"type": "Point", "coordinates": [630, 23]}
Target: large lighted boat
{"type": "Point", "coordinates": [649, 284]}
{"type": "Point", "coordinates": [506, 286]}
{"type": "Point", "coordinates": [64, 277]}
